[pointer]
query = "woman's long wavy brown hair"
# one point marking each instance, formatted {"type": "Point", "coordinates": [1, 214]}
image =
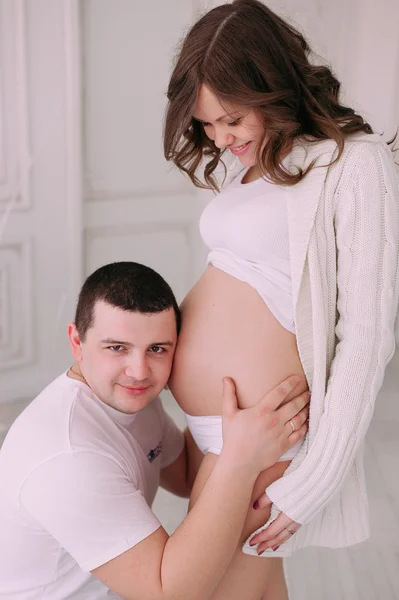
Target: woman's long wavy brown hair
{"type": "Point", "coordinates": [249, 57]}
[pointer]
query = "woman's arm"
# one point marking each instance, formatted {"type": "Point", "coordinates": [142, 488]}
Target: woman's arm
{"type": "Point", "coordinates": [367, 238]}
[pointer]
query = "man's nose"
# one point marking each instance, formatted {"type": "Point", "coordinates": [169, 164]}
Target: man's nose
{"type": "Point", "coordinates": [138, 368]}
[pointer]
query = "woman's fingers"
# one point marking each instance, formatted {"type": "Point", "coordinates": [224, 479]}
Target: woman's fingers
{"type": "Point", "coordinates": [262, 502]}
{"type": "Point", "coordinates": [283, 536]}
{"type": "Point", "coordinates": [276, 534]}
{"type": "Point", "coordinates": [272, 530]}
{"type": "Point", "coordinates": [276, 542]}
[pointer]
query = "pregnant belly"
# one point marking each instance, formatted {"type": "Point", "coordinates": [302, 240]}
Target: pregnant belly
{"type": "Point", "coordinates": [228, 330]}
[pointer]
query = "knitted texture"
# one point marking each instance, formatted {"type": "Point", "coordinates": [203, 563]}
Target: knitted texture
{"type": "Point", "coordinates": [344, 234]}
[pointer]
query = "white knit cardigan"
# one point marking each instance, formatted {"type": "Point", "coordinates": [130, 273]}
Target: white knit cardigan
{"type": "Point", "coordinates": [344, 253]}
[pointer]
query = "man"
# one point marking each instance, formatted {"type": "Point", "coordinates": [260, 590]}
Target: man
{"type": "Point", "coordinates": [80, 467]}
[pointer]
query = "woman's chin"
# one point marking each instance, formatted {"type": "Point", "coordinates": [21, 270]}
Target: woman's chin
{"type": "Point", "coordinates": [247, 161]}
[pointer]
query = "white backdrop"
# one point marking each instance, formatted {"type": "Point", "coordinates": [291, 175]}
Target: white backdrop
{"type": "Point", "coordinates": [39, 189]}
{"type": "Point", "coordinates": [82, 178]}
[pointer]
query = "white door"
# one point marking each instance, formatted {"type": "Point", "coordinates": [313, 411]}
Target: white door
{"type": "Point", "coordinates": [83, 181]}
{"type": "Point", "coordinates": [136, 206]}
{"type": "Point", "coordinates": [38, 200]}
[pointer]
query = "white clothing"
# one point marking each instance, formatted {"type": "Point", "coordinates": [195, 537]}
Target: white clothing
{"type": "Point", "coordinates": [77, 481]}
{"type": "Point", "coordinates": [208, 435]}
{"type": "Point", "coordinates": [246, 229]}
{"type": "Point", "coordinates": [344, 254]}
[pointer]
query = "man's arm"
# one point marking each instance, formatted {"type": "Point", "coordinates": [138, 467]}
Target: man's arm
{"type": "Point", "coordinates": [179, 477]}
{"type": "Point", "coordinates": [192, 561]}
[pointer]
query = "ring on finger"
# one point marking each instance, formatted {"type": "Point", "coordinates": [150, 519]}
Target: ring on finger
{"type": "Point", "coordinates": [292, 425]}
{"type": "Point", "coordinates": [289, 531]}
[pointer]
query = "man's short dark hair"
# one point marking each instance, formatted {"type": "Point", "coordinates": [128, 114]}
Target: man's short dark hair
{"type": "Point", "coordinates": [126, 285]}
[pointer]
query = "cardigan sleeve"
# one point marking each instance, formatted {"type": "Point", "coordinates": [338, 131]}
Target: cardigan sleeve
{"type": "Point", "coordinates": [367, 240]}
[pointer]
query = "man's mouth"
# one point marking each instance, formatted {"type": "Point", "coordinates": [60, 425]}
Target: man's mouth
{"type": "Point", "coordinates": [135, 389]}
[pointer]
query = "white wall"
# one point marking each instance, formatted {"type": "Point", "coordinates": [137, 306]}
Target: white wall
{"type": "Point", "coordinates": [136, 206]}
{"type": "Point", "coordinates": [82, 177]}
{"type": "Point", "coordinates": [83, 181]}
{"type": "Point", "coordinates": [39, 250]}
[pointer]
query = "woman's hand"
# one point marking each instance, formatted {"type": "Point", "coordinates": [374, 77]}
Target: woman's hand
{"type": "Point", "coordinates": [278, 532]}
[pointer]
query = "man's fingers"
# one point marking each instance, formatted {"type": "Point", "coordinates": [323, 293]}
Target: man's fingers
{"type": "Point", "coordinates": [229, 397]}
{"type": "Point", "coordinates": [294, 406]}
{"type": "Point", "coordinates": [276, 396]}
{"type": "Point", "coordinates": [296, 422]}
{"type": "Point", "coordinates": [295, 436]}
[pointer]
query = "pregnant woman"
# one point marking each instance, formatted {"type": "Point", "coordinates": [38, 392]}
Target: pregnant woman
{"type": "Point", "coordinates": [302, 275]}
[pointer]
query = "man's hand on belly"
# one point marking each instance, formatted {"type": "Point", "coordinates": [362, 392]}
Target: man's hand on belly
{"type": "Point", "coordinates": [256, 437]}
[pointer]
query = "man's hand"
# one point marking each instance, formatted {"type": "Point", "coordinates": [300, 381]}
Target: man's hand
{"type": "Point", "coordinates": [256, 437]}
{"type": "Point", "coordinates": [197, 554]}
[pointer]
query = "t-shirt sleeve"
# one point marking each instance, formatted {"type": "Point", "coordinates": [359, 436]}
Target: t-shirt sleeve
{"type": "Point", "coordinates": [172, 439]}
{"type": "Point", "coordinates": [88, 504]}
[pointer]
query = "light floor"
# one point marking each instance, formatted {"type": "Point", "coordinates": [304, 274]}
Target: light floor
{"type": "Point", "coordinates": [369, 571]}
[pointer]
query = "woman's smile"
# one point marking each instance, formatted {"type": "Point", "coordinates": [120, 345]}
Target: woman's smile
{"type": "Point", "coordinates": [239, 150]}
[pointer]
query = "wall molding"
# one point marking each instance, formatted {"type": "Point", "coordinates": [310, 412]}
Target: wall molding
{"type": "Point", "coordinates": [184, 227]}
{"type": "Point", "coordinates": [106, 231]}
{"type": "Point", "coordinates": [103, 194]}
{"type": "Point", "coordinates": [16, 260]}
{"type": "Point", "coordinates": [15, 170]}
{"type": "Point", "coordinates": [74, 143]}
{"type": "Point", "coordinates": [4, 306]}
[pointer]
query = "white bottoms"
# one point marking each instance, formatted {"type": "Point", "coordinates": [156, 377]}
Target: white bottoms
{"type": "Point", "coordinates": [207, 434]}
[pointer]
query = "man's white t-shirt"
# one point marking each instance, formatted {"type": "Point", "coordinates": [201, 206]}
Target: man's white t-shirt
{"type": "Point", "coordinates": [77, 480]}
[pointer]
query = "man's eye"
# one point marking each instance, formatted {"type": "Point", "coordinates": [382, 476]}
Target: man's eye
{"type": "Point", "coordinates": [234, 123]}
{"type": "Point", "coordinates": [157, 349]}
{"type": "Point", "coordinates": [116, 348]}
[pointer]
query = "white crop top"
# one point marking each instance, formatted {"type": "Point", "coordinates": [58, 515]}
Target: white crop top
{"type": "Point", "coordinates": [246, 229]}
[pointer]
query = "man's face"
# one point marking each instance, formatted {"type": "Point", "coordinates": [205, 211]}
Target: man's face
{"type": "Point", "coordinates": [127, 357]}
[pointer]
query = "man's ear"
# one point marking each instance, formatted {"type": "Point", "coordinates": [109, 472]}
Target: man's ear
{"type": "Point", "coordinates": [75, 342]}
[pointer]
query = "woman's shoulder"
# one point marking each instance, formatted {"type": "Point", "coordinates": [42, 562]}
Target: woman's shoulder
{"type": "Point", "coordinates": [366, 145]}
{"type": "Point", "coordinates": [309, 149]}
{"type": "Point", "coordinates": [365, 170]}
{"type": "Point", "coordinates": [360, 152]}
{"type": "Point", "coordinates": [368, 156]}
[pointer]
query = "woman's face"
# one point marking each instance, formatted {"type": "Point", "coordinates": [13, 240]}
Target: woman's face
{"type": "Point", "coordinates": [240, 129]}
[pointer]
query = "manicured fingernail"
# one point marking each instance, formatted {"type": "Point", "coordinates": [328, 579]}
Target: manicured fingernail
{"type": "Point", "coordinates": [260, 552]}
{"type": "Point", "coordinates": [274, 548]}
{"type": "Point", "coordinates": [256, 505]}
{"type": "Point", "coordinates": [251, 543]}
